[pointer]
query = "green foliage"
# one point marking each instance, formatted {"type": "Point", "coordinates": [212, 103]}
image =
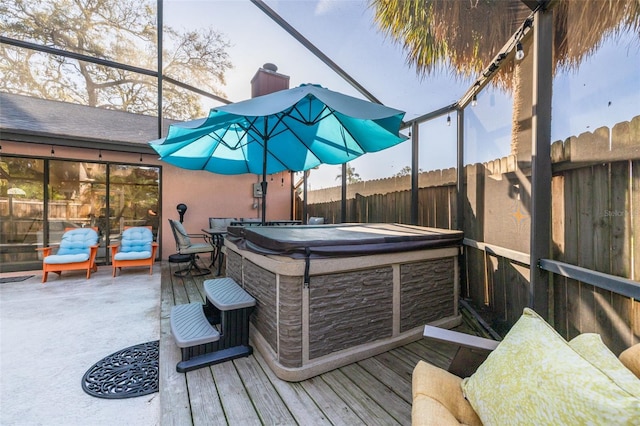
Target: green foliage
{"type": "Point", "coordinates": [117, 30]}
{"type": "Point", "coordinates": [352, 176]}
{"type": "Point", "coordinates": [405, 171]}
{"type": "Point", "coordinates": [25, 174]}
{"type": "Point", "coordinates": [465, 35]}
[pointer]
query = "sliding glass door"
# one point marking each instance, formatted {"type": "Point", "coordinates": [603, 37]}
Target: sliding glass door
{"type": "Point", "coordinates": [106, 196]}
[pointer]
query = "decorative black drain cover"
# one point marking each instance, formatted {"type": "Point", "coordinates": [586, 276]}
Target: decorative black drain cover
{"type": "Point", "coordinates": [128, 373]}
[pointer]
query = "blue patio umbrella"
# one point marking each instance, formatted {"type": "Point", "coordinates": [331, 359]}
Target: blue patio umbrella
{"type": "Point", "coordinates": [290, 130]}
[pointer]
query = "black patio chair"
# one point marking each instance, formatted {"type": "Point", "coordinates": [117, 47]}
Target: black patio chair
{"type": "Point", "coordinates": [185, 246]}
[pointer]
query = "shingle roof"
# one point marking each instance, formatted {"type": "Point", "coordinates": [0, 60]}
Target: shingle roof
{"type": "Point", "coordinates": [23, 118]}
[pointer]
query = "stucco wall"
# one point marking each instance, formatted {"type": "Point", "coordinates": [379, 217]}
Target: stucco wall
{"type": "Point", "coordinates": [212, 195]}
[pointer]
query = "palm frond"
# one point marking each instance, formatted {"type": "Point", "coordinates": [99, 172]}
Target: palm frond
{"type": "Point", "coordinates": [466, 34]}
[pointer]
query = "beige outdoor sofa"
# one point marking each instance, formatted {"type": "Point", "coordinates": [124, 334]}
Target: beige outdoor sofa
{"type": "Point", "coordinates": [534, 376]}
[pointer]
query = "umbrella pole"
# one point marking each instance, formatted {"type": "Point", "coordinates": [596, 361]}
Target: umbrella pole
{"type": "Point", "coordinates": [264, 173]}
{"type": "Point", "coordinates": [263, 184]}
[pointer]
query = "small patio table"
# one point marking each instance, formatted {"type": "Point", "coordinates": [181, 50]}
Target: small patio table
{"type": "Point", "coordinates": [217, 240]}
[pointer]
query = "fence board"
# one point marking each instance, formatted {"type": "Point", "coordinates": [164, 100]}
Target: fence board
{"type": "Point", "coordinates": [559, 286]}
{"type": "Point", "coordinates": [517, 285]}
{"type": "Point", "coordinates": [560, 303]}
{"type": "Point", "coordinates": [634, 214]}
{"type": "Point", "coordinates": [584, 184]}
{"type": "Point", "coordinates": [635, 322]}
{"type": "Point", "coordinates": [620, 203]}
{"type": "Point", "coordinates": [622, 327]}
{"type": "Point", "coordinates": [602, 231]}
{"type": "Point", "coordinates": [600, 205]}
{"type": "Point", "coordinates": [587, 309]}
{"type": "Point", "coordinates": [474, 206]}
{"type": "Point", "coordinates": [442, 208]}
{"type": "Point", "coordinates": [493, 292]}
{"type": "Point", "coordinates": [603, 319]}
{"type": "Point", "coordinates": [571, 252]}
{"type": "Point", "coordinates": [453, 208]}
{"type": "Point", "coordinates": [498, 291]}
{"type": "Point", "coordinates": [475, 264]}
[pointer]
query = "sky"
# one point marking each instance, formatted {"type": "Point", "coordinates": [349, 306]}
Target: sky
{"type": "Point", "coordinates": [345, 31]}
{"type": "Point", "coordinates": [342, 29]}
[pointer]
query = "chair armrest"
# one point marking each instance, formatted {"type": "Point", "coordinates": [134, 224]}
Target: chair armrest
{"type": "Point", "coordinates": [443, 388]}
{"type": "Point", "coordinates": [206, 237]}
{"type": "Point", "coordinates": [46, 251]}
{"type": "Point", "coordinates": [472, 350]}
{"type": "Point", "coordinates": [460, 339]}
{"type": "Point", "coordinates": [631, 359]}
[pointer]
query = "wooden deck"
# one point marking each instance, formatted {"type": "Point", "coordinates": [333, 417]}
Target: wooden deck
{"type": "Point", "coordinates": [374, 391]}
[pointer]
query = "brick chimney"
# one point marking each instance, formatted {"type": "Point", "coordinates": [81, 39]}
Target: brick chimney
{"type": "Point", "coordinates": [268, 80]}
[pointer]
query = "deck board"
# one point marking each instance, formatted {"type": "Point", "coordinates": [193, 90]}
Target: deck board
{"type": "Point", "coordinates": [382, 395]}
{"type": "Point", "coordinates": [236, 403]}
{"type": "Point", "coordinates": [388, 377]}
{"type": "Point", "coordinates": [333, 406]}
{"type": "Point", "coordinates": [376, 390]}
{"type": "Point", "coordinates": [174, 404]}
{"type": "Point", "coordinates": [302, 407]}
{"type": "Point", "coordinates": [206, 408]}
{"type": "Point", "coordinates": [271, 408]}
{"type": "Point", "coordinates": [358, 400]}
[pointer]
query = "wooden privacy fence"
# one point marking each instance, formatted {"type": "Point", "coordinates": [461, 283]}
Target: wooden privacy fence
{"type": "Point", "coordinates": [595, 224]}
{"type": "Point", "coordinates": [436, 208]}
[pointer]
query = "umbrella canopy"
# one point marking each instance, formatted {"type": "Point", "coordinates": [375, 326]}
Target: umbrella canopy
{"type": "Point", "coordinates": [16, 191]}
{"type": "Point", "coordinates": [294, 130]}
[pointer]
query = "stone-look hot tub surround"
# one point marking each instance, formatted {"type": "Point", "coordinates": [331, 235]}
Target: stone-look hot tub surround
{"type": "Point", "coordinates": [353, 308]}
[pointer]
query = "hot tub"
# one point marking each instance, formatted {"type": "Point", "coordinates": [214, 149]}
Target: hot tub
{"type": "Point", "coordinates": [329, 295]}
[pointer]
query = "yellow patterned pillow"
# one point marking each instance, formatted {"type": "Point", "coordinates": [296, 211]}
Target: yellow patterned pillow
{"type": "Point", "coordinates": [591, 347]}
{"type": "Point", "coordinates": [535, 377]}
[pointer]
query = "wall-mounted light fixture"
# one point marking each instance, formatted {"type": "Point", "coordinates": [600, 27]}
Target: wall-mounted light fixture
{"type": "Point", "coordinates": [474, 100]}
{"type": "Point", "coordinates": [182, 209]}
{"type": "Point", "coordinates": [448, 120]}
{"type": "Point", "coordinates": [52, 151]}
{"type": "Point", "coordinates": [100, 154]}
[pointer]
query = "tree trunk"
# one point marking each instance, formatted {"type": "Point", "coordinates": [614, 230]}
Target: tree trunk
{"type": "Point", "coordinates": [522, 108]}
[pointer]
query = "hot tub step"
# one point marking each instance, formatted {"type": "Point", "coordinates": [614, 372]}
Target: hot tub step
{"type": "Point", "coordinates": [227, 295]}
{"type": "Point", "coordinates": [216, 357]}
{"type": "Point", "coordinates": [190, 327]}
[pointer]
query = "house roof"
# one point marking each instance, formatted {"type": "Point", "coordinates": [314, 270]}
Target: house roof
{"type": "Point", "coordinates": [28, 119]}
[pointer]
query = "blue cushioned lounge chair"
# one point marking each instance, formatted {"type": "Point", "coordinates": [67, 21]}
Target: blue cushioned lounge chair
{"type": "Point", "coordinates": [136, 248]}
{"type": "Point", "coordinates": [78, 250]}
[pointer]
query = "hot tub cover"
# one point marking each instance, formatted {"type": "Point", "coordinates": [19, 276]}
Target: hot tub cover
{"type": "Point", "coordinates": [340, 240]}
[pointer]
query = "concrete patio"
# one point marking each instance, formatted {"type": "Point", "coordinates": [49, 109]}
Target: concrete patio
{"type": "Point", "coordinates": [52, 333]}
